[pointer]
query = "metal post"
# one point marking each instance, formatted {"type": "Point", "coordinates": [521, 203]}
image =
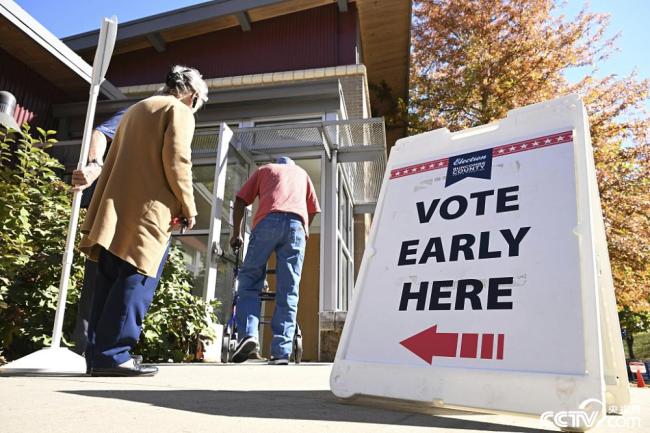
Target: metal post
{"type": "Point", "coordinates": [330, 226]}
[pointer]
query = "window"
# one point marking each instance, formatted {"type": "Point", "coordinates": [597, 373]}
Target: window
{"type": "Point", "coordinates": [345, 244]}
{"type": "Point", "coordinates": [203, 180]}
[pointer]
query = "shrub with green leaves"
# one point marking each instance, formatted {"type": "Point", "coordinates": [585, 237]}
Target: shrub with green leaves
{"type": "Point", "coordinates": [34, 215]}
{"type": "Point", "coordinates": [35, 207]}
{"type": "Point", "coordinates": [177, 320]}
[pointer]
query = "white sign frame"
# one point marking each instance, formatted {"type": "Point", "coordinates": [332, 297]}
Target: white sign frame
{"type": "Point", "coordinates": [604, 377]}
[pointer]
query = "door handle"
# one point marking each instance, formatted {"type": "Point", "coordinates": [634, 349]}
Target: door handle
{"type": "Point", "coordinates": [216, 251]}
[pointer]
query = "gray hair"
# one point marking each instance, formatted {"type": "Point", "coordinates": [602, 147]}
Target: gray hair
{"type": "Point", "coordinates": [182, 80]}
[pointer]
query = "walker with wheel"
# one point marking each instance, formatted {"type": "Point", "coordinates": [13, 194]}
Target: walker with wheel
{"type": "Point", "coordinates": [230, 329]}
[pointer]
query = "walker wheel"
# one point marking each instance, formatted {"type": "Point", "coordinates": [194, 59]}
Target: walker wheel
{"type": "Point", "coordinates": [225, 348]}
{"type": "Point", "coordinates": [297, 349]}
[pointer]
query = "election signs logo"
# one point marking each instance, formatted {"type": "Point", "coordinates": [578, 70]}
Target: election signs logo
{"type": "Point", "coordinates": [474, 164]}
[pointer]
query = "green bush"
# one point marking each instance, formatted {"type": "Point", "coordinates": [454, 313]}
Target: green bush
{"type": "Point", "coordinates": [177, 320]}
{"type": "Point", "coordinates": [34, 214]}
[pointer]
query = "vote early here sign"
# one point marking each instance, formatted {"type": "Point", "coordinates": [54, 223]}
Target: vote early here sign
{"type": "Point", "coordinates": [476, 268]}
{"type": "Point", "coordinates": [477, 251]}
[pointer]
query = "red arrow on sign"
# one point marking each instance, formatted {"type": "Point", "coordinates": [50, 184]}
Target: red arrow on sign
{"type": "Point", "coordinates": [430, 343]}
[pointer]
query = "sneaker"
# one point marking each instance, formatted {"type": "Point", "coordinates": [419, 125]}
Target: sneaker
{"type": "Point", "coordinates": [278, 361]}
{"type": "Point", "coordinates": [244, 348]}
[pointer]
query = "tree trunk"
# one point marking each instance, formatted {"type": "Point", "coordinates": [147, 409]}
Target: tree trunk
{"type": "Point", "coordinates": [629, 339]}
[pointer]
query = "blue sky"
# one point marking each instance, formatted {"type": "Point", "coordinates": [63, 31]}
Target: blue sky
{"type": "Point", "coordinates": [631, 18]}
{"type": "Point", "coordinates": [69, 17]}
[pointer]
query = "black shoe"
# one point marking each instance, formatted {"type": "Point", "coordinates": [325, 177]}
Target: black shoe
{"type": "Point", "coordinates": [244, 348]}
{"type": "Point", "coordinates": [137, 360]}
{"type": "Point", "coordinates": [136, 370]}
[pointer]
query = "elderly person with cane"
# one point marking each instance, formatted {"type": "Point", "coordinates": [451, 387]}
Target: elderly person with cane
{"type": "Point", "coordinates": [85, 180]}
{"type": "Point", "coordinates": [146, 183]}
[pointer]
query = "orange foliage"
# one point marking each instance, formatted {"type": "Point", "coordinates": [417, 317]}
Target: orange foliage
{"type": "Point", "coordinates": [474, 60]}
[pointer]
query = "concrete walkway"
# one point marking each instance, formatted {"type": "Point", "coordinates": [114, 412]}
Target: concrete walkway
{"type": "Point", "coordinates": [245, 398]}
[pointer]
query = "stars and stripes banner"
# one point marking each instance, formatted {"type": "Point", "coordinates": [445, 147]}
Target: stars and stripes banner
{"type": "Point", "coordinates": [503, 150]}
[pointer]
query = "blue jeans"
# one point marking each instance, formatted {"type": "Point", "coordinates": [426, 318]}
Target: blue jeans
{"type": "Point", "coordinates": [283, 233]}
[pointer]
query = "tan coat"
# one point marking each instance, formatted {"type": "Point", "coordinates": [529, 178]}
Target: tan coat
{"type": "Point", "coordinates": [145, 182]}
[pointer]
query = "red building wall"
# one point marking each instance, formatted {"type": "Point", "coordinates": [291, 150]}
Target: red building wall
{"type": "Point", "coordinates": [314, 38]}
{"type": "Point", "coordinates": [34, 95]}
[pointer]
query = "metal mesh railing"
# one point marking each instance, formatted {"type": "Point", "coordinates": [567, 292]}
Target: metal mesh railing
{"type": "Point", "coordinates": [355, 133]}
{"type": "Point", "coordinates": [349, 136]}
{"type": "Point", "coordinates": [205, 142]}
{"type": "Point", "coordinates": [365, 179]}
{"type": "Point", "coordinates": [269, 138]}
{"type": "Point", "coordinates": [364, 175]}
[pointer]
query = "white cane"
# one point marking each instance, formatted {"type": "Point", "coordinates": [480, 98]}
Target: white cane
{"type": "Point", "coordinates": [102, 58]}
{"type": "Point", "coordinates": [55, 359]}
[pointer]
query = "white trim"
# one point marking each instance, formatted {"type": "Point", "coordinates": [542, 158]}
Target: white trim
{"type": "Point", "coordinates": [343, 103]}
{"type": "Point", "coordinates": [255, 80]}
{"type": "Point", "coordinates": [342, 245]}
{"type": "Point", "coordinates": [323, 191]}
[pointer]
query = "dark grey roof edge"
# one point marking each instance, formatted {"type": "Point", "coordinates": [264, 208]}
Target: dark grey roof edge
{"type": "Point", "coordinates": [326, 87]}
{"type": "Point", "coordinates": [167, 20]}
{"type": "Point", "coordinates": [53, 45]}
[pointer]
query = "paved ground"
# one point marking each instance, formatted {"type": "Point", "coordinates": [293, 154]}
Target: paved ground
{"type": "Point", "coordinates": [243, 398]}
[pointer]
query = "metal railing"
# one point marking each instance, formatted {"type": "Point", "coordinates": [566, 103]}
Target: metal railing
{"type": "Point", "coordinates": [360, 145]}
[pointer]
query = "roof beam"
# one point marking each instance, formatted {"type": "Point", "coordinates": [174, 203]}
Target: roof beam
{"type": "Point", "coordinates": [168, 20]}
{"type": "Point", "coordinates": [244, 20]}
{"type": "Point", "coordinates": [343, 5]}
{"type": "Point", "coordinates": [364, 208]}
{"type": "Point", "coordinates": [353, 153]}
{"type": "Point", "coordinates": [157, 41]}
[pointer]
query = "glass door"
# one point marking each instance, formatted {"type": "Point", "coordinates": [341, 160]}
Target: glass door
{"type": "Point", "coordinates": [237, 172]}
{"type": "Point", "coordinates": [194, 243]}
{"type": "Point", "coordinates": [231, 170]}
{"type": "Point", "coordinates": [219, 170]}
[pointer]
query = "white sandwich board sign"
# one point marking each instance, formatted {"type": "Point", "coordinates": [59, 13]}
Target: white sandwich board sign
{"type": "Point", "coordinates": [486, 283]}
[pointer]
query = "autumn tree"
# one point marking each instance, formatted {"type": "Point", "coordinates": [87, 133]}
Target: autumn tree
{"type": "Point", "coordinates": [474, 60]}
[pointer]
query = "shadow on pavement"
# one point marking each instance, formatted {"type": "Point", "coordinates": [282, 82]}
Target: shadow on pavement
{"type": "Point", "coordinates": [302, 405]}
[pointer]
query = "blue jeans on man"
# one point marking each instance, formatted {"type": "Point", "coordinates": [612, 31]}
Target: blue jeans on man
{"type": "Point", "coordinates": [283, 233]}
